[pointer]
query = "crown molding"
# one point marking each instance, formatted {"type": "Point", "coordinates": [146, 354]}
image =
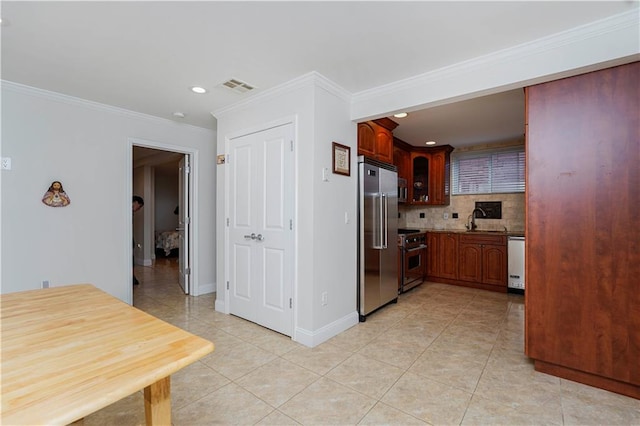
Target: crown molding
{"type": "Point", "coordinates": [617, 24]}
{"type": "Point", "coordinates": [96, 106]}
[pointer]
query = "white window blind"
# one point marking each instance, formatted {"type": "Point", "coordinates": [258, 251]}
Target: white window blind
{"type": "Point", "coordinates": [486, 172]}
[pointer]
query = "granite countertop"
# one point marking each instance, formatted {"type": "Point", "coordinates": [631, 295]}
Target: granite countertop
{"type": "Point", "coordinates": [477, 231]}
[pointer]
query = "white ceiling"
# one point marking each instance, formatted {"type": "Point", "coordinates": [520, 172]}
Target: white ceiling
{"type": "Point", "coordinates": [143, 56]}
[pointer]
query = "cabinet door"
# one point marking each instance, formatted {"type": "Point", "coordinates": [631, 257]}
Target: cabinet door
{"type": "Point", "coordinates": [433, 253]}
{"type": "Point", "coordinates": [366, 140]}
{"type": "Point", "coordinates": [437, 179]}
{"type": "Point", "coordinates": [494, 265]}
{"type": "Point", "coordinates": [401, 160]}
{"type": "Point", "coordinates": [449, 256]}
{"type": "Point", "coordinates": [419, 189]}
{"type": "Point", "coordinates": [470, 267]}
{"type": "Point", "coordinates": [384, 144]}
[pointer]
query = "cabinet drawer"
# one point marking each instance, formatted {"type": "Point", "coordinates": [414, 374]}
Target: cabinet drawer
{"type": "Point", "coordinates": [483, 239]}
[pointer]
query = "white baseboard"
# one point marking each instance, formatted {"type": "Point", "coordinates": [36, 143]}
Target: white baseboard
{"type": "Point", "coordinates": [206, 289]}
{"type": "Point", "coordinates": [221, 306]}
{"type": "Point", "coordinates": [314, 338]}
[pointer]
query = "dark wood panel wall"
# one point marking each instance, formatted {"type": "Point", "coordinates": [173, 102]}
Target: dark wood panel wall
{"type": "Point", "coordinates": [583, 228]}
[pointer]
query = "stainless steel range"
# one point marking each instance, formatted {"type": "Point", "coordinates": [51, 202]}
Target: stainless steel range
{"type": "Point", "coordinates": [413, 258]}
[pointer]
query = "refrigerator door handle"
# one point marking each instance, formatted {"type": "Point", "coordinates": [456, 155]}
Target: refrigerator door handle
{"type": "Point", "coordinates": [378, 242]}
{"type": "Point", "coordinates": [385, 221]}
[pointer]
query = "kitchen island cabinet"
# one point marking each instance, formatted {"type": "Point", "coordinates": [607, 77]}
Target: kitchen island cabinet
{"type": "Point", "coordinates": [582, 300]}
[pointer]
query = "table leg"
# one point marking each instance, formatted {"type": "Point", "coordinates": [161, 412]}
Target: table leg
{"type": "Point", "coordinates": [157, 403]}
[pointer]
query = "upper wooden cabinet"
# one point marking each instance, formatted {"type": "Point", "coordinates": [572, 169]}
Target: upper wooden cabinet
{"type": "Point", "coordinates": [375, 139]}
{"type": "Point", "coordinates": [428, 179]}
{"type": "Point", "coordinates": [401, 159]}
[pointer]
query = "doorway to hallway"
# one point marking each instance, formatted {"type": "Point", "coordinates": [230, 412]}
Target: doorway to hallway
{"type": "Point", "coordinates": [162, 176]}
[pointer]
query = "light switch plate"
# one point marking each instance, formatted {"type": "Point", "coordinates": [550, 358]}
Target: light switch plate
{"type": "Point", "coordinates": [6, 163]}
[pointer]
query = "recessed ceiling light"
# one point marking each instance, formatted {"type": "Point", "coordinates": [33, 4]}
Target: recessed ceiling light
{"type": "Point", "coordinates": [431, 142]}
{"type": "Point", "coordinates": [400, 115]}
{"type": "Point", "coordinates": [199, 90]}
{"type": "Point", "coordinates": [178, 114]}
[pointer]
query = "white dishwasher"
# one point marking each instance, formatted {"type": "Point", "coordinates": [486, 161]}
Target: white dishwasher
{"type": "Point", "coordinates": [516, 264]}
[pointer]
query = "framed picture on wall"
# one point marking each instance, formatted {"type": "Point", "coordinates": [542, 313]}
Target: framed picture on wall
{"type": "Point", "coordinates": [341, 159]}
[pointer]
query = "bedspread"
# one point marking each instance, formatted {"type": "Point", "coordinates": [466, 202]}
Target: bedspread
{"type": "Point", "coordinates": [168, 240]}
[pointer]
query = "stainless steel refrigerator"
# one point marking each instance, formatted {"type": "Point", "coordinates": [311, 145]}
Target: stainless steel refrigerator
{"type": "Point", "coordinates": [377, 235]}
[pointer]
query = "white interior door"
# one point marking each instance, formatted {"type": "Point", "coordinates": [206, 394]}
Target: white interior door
{"type": "Point", "coordinates": [184, 222]}
{"type": "Point", "coordinates": [260, 238]}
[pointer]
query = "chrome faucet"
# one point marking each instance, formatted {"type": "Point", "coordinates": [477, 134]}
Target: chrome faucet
{"type": "Point", "coordinates": [471, 225]}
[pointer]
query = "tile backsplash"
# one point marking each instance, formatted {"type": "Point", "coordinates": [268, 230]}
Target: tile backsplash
{"type": "Point", "coordinates": [512, 214]}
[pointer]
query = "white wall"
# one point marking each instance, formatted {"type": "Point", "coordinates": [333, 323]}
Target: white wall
{"type": "Point", "coordinates": [325, 247]}
{"type": "Point", "coordinates": [166, 199]}
{"type": "Point", "coordinates": [88, 147]}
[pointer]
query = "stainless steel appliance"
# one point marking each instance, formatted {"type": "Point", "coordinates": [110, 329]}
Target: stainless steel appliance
{"type": "Point", "coordinates": [403, 191]}
{"type": "Point", "coordinates": [515, 252]}
{"type": "Point", "coordinates": [377, 235]}
{"type": "Point", "coordinates": [413, 258]}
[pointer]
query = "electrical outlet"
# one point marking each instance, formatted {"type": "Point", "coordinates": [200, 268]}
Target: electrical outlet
{"type": "Point", "coordinates": [454, 215]}
{"type": "Point", "coordinates": [323, 298]}
{"type": "Point", "coordinates": [445, 216]}
{"type": "Point", "coordinates": [45, 284]}
{"type": "Point", "coordinates": [421, 215]}
{"type": "Point", "coordinates": [6, 163]}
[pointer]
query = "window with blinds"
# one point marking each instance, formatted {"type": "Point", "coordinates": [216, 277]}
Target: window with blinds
{"type": "Point", "coordinates": [487, 172]}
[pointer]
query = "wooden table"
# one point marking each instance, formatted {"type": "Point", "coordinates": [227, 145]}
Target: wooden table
{"type": "Point", "coordinates": [70, 351]}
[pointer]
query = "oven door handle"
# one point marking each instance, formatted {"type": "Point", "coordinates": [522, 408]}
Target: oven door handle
{"type": "Point", "coordinates": [420, 247]}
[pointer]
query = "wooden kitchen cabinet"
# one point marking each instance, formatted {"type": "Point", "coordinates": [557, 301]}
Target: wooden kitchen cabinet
{"type": "Point", "coordinates": [582, 301]}
{"type": "Point", "coordinates": [477, 260]}
{"type": "Point", "coordinates": [375, 139]}
{"type": "Point", "coordinates": [401, 159]}
{"type": "Point", "coordinates": [429, 176]}
{"type": "Point", "coordinates": [442, 255]}
{"type": "Point", "coordinates": [439, 178]}
{"type": "Point", "coordinates": [483, 259]}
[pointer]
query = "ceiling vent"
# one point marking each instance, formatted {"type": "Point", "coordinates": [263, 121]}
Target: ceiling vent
{"type": "Point", "coordinates": [238, 85]}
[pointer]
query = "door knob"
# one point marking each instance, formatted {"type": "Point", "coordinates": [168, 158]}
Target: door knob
{"type": "Point", "coordinates": [250, 237]}
{"type": "Point", "coordinates": [259, 237]}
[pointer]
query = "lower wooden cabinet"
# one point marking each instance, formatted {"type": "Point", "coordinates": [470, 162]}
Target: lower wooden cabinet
{"type": "Point", "coordinates": [483, 259]}
{"type": "Point", "coordinates": [442, 258]}
{"type": "Point", "coordinates": [475, 260]}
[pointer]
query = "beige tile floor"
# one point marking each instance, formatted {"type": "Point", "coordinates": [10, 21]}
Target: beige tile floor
{"type": "Point", "coordinates": [443, 355]}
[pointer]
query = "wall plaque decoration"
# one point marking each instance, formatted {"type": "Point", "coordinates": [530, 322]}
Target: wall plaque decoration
{"type": "Point", "coordinates": [341, 159]}
{"type": "Point", "coordinates": [55, 195]}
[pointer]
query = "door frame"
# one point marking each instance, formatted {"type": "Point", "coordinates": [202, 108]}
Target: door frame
{"type": "Point", "coordinates": [292, 120]}
{"type": "Point", "coordinates": [193, 206]}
